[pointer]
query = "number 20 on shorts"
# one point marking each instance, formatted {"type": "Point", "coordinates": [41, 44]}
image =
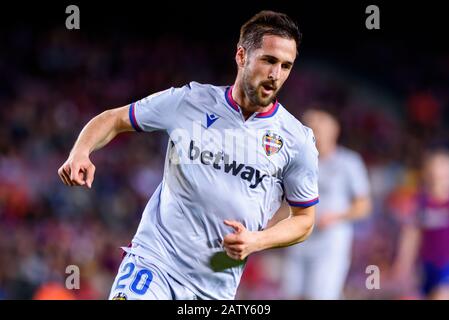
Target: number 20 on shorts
{"type": "Point", "coordinates": [141, 281]}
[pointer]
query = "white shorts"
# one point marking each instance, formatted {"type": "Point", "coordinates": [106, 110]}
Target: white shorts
{"type": "Point", "coordinates": [139, 279]}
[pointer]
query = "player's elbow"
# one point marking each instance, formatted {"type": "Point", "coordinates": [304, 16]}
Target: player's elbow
{"type": "Point", "coordinates": [308, 225]}
{"type": "Point", "coordinates": [305, 221]}
{"type": "Point", "coordinates": [309, 228]}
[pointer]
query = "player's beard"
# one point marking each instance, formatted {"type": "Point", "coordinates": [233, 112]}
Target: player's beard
{"type": "Point", "coordinates": [253, 92]}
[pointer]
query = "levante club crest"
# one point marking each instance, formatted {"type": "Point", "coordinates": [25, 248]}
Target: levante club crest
{"type": "Point", "coordinates": [272, 143]}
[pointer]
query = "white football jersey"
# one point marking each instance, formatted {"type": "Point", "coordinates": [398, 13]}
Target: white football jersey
{"type": "Point", "coordinates": [218, 167]}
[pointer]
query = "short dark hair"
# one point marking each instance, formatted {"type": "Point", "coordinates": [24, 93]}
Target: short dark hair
{"type": "Point", "coordinates": [268, 23]}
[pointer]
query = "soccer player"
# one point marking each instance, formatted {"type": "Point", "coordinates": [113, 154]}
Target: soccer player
{"type": "Point", "coordinates": [425, 236]}
{"type": "Point", "coordinates": [234, 152]}
{"type": "Point", "coordinates": [318, 268]}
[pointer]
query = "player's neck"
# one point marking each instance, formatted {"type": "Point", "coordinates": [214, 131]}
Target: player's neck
{"type": "Point", "coordinates": [244, 102]}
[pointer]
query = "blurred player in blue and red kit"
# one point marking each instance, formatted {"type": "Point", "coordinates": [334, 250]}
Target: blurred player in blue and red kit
{"type": "Point", "coordinates": [424, 243]}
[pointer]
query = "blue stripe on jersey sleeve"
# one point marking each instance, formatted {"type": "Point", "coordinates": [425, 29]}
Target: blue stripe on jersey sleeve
{"type": "Point", "coordinates": [303, 204]}
{"type": "Point", "coordinates": [132, 118]}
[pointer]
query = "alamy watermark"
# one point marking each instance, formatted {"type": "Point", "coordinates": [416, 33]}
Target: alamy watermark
{"type": "Point", "coordinates": [73, 20]}
{"type": "Point", "coordinates": [72, 281]}
{"type": "Point", "coordinates": [373, 20]}
{"type": "Point", "coordinates": [372, 282]}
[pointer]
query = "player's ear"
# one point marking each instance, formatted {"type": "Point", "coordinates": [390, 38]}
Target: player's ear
{"type": "Point", "coordinates": [240, 56]}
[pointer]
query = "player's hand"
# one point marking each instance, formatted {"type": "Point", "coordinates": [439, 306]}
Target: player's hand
{"type": "Point", "coordinates": [78, 170]}
{"type": "Point", "coordinates": [241, 243]}
{"type": "Point", "coordinates": [327, 220]}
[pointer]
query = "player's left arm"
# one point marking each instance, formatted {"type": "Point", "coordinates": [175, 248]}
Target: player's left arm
{"type": "Point", "coordinates": [360, 208]}
{"type": "Point", "coordinates": [358, 188]}
{"type": "Point", "coordinates": [296, 228]}
{"type": "Point", "coordinates": [301, 190]}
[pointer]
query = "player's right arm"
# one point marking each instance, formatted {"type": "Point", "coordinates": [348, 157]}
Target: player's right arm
{"type": "Point", "coordinates": [78, 170]}
{"type": "Point", "coordinates": [158, 111]}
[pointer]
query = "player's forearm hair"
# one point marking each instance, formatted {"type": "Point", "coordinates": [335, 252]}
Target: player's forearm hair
{"type": "Point", "coordinates": [100, 130]}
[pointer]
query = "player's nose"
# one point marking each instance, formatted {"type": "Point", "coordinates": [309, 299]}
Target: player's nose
{"type": "Point", "coordinates": [275, 73]}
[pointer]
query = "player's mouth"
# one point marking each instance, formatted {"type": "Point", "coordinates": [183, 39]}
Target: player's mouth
{"type": "Point", "coordinates": [268, 89]}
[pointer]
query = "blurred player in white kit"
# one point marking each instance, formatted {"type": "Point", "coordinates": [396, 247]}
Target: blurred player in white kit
{"type": "Point", "coordinates": [317, 269]}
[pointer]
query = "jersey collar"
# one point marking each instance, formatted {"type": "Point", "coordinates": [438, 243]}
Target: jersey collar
{"type": "Point", "coordinates": [234, 105]}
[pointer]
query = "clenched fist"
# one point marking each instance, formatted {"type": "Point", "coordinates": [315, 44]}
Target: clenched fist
{"type": "Point", "coordinates": [241, 243]}
{"type": "Point", "coordinates": [78, 170]}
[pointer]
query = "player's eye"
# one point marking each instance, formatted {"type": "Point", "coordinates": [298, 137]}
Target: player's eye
{"type": "Point", "coordinates": [269, 60]}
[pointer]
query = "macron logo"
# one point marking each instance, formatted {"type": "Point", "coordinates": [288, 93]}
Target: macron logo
{"type": "Point", "coordinates": [211, 119]}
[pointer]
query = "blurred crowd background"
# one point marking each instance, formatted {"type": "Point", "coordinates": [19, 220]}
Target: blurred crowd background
{"type": "Point", "coordinates": [392, 98]}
